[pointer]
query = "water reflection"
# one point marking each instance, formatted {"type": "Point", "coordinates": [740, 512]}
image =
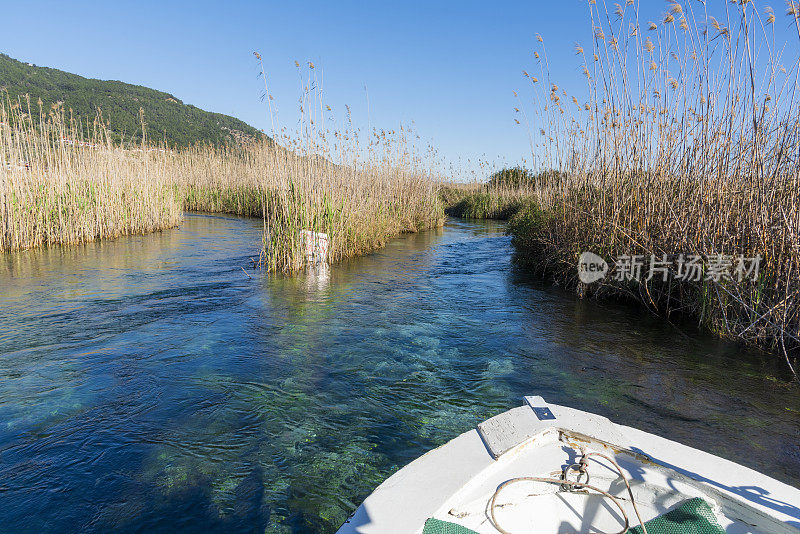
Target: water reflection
{"type": "Point", "coordinates": [148, 384]}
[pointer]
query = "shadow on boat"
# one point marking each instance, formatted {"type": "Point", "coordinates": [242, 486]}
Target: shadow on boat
{"type": "Point", "coordinates": [753, 494]}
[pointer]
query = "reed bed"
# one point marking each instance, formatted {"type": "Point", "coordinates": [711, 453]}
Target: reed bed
{"type": "Point", "coordinates": [63, 183]}
{"type": "Point", "coordinates": [483, 201]}
{"type": "Point", "coordinates": [686, 141]}
{"type": "Point", "coordinates": [359, 205]}
{"type": "Point", "coordinates": [506, 192]}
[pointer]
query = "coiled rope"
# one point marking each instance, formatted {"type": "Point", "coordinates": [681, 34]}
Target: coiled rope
{"type": "Point", "coordinates": [573, 485]}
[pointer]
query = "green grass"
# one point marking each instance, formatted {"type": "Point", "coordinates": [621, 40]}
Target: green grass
{"type": "Point", "coordinates": [478, 201]}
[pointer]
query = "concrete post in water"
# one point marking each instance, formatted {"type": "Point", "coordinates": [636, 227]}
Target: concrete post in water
{"type": "Point", "coordinates": [314, 246]}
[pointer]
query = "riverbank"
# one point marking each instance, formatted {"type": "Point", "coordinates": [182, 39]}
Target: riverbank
{"type": "Point", "coordinates": [683, 182]}
{"type": "Point", "coordinates": [482, 201]}
{"type": "Point", "coordinates": [632, 226]}
{"type": "Point", "coordinates": [61, 184]}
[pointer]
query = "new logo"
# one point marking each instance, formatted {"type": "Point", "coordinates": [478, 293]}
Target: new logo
{"type": "Point", "coordinates": [591, 268]}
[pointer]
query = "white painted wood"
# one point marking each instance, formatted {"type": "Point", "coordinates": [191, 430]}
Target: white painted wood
{"type": "Point", "coordinates": [503, 432]}
{"type": "Point", "coordinates": [535, 401]}
{"type": "Point", "coordinates": [414, 493]}
{"type": "Point", "coordinates": [456, 481]}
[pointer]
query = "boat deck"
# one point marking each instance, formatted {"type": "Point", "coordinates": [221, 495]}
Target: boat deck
{"type": "Point", "coordinates": [457, 481]}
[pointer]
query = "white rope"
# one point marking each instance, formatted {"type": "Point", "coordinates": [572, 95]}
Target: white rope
{"type": "Point", "coordinates": [625, 480]}
{"type": "Point", "coordinates": [572, 485]}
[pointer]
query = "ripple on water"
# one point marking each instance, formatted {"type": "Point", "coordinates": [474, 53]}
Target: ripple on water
{"type": "Point", "coordinates": [148, 384]}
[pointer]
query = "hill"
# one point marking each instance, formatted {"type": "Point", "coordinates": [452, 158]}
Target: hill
{"type": "Point", "coordinates": [166, 117]}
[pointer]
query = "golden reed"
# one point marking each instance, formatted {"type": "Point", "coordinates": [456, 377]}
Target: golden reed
{"type": "Point", "coordinates": [65, 182]}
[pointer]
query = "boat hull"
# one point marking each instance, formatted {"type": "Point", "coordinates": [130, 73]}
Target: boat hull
{"type": "Point", "coordinates": [457, 481]}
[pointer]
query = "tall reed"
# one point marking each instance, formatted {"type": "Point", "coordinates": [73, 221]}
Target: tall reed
{"type": "Point", "coordinates": [360, 188]}
{"type": "Point", "coordinates": [686, 140]}
{"type": "Point", "coordinates": [359, 205]}
{"type": "Point", "coordinates": [483, 201]}
{"type": "Point", "coordinates": [61, 182]}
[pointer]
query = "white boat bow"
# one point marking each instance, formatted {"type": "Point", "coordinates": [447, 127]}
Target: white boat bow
{"type": "Point", "coordinates": [487, 480]}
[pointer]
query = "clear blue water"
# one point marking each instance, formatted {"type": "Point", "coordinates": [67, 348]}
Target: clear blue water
{"type": "Point", "coordinates": [151, 385]}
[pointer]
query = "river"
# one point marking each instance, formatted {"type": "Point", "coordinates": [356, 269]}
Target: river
{"type": "Point", "coordinates": [159, 383]}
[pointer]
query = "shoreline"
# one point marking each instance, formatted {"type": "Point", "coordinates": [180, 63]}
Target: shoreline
{"type": "Point", "coordinates": [536, 252]}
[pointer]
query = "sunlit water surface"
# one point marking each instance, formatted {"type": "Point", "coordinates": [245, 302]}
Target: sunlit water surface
{"type": "Point", "coordinates": [150, 384]}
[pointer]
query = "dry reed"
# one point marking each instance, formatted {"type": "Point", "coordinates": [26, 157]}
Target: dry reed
{"type": "Point", "coordinates": [687, 141]}
{"type": "Point", "coordinates": [62, 183]}
{"type": "Point", "coordinates": [359, 205]}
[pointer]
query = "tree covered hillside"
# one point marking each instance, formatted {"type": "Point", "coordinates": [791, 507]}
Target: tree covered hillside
{"type": "Point", "coordinates": [166, 117]}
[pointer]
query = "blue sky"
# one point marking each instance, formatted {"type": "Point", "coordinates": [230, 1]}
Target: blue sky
{"type": "Point", "coordinates": [451, 67]}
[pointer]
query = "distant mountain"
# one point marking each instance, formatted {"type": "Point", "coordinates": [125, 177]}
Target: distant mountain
{"type": "Point", "coordinates": [165, 116]}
